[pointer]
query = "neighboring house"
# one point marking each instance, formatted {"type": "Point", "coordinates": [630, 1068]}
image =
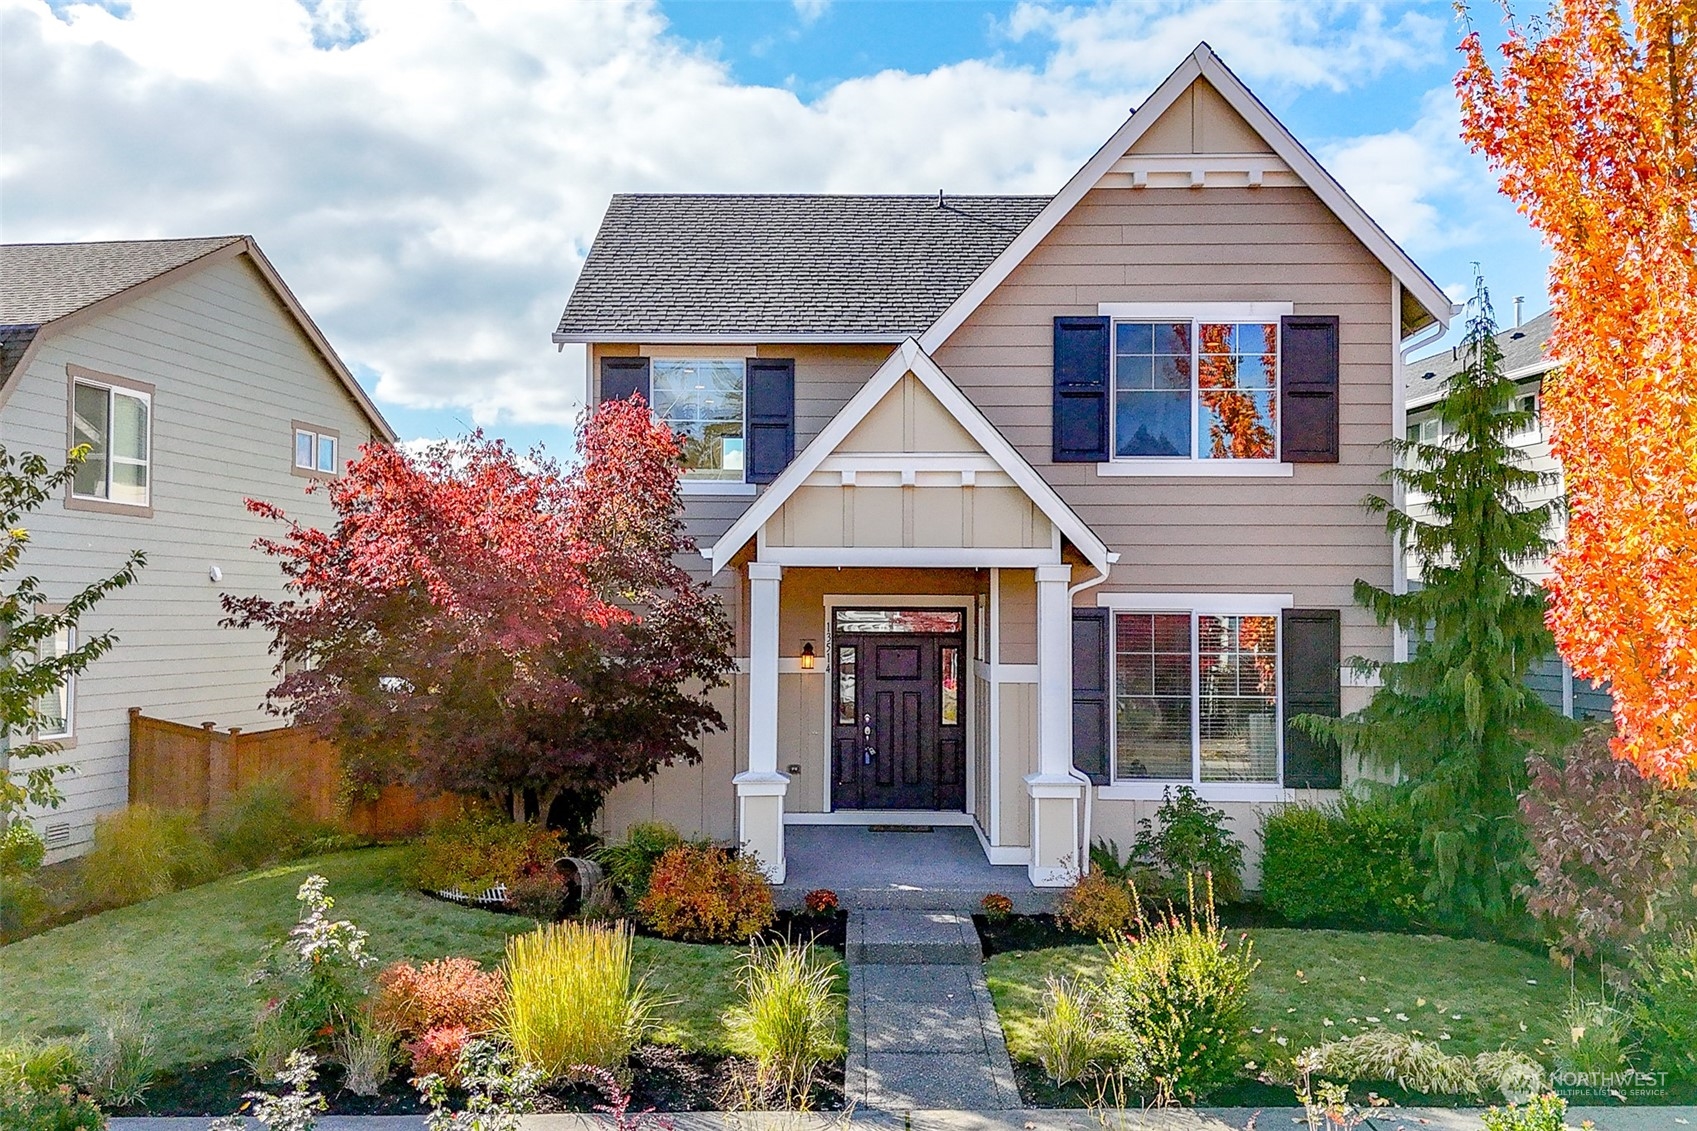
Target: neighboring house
{"type": "Point", "coordinates": [198, 382]}
{"type": "Point", "coordinates": [1526, 361]}
{"type": "Point", "coordinates": [1025, 509]}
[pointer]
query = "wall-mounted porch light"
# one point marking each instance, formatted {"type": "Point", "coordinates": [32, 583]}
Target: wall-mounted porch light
{"type": "Point", "coordinates": [807, 656]}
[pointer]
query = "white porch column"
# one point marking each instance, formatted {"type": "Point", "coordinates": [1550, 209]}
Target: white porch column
{"type": "Point", "coordinates": [1056, 793]}
{"type": "Point", "coordinates": [761, 788]}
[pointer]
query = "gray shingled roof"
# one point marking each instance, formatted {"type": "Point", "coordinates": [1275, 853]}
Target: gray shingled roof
{"type": "Point", "coordinates": [877, 265]}
{"type": "Point", "coordinates": [1522, 346]}
{"type": "Point", "coordinates": [40, 282]}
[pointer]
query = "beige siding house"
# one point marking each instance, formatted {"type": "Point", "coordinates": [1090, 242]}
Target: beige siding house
{"type": "Point", "coordinates": [1026, 509]}
{"type": "Point", "coordinates": [199, 382]}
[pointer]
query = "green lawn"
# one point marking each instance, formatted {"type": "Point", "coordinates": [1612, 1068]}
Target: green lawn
{"type": "Point", "coordinates": [1312, 986]}
{"type": "Point", "coordinates": [182, 960]}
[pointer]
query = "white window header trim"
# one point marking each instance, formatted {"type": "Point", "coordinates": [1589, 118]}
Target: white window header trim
{"type": "Point", "coordinates": [1146, 466]}
{"type": "Point", "coordinates": [1200, 311]}
{"type": "Point", "coordinates": [1208, 604]}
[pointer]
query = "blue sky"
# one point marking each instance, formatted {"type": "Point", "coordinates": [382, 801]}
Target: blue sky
{"type": "Point", "coordinates": [428, 176]}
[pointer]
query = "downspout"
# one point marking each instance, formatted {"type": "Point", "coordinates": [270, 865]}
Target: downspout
{"type": "Point", "coordinates": [1085, 827]}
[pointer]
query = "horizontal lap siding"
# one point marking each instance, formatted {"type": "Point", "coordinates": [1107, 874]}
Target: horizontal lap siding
{"type": "Point", "coordinates": [1306, 534]}
{"type": "Point", "coordinates": [231, 372]}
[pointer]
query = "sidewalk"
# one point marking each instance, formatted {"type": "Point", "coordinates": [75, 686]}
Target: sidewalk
{"type": "Point", "coordinates": [1172, 1119]}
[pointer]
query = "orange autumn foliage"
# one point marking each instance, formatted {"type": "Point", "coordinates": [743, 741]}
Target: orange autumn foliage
{"type": "Point", "coordinates": [1592, 125]}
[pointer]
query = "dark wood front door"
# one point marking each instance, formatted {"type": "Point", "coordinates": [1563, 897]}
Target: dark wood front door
{"type": "Point", "coordinates": [899, 733]}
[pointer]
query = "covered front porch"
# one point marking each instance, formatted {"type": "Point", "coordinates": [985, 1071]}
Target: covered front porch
{"type": "Point", "coordinates": [906, 612]}
{"type": "Point", "coordinates": [924, 867]}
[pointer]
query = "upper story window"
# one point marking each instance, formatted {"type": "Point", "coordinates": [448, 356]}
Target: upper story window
{"type": "Point", "coordinates": [316, 450]}
{"type": "Point", "coordinates": [1533, 431]}
{"type": "Point", "coordinates": [1196, 389]}
{"type": "Point", "coordinates": [114, 417]}
{"type": "Point", "coordinates": [702, 402]}
{"type": "Point", "coordinates": [1196, 698]}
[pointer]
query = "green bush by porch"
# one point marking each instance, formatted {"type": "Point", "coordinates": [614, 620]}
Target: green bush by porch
{"type": "Point", "coordinates": [183, 959]}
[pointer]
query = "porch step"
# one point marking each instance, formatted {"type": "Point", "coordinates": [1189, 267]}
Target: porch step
{"type": "Point", "coordinates": [912, 938]}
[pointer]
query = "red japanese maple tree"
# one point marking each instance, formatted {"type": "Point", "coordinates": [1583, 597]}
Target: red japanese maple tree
{"type": "Point", "coordinates": [490, 624]}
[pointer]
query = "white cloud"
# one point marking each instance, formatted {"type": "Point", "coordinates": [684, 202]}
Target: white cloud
{"type": "Point", "coordinates": [810, 11]}
{"type": "Point", "coordinates": [429, 176]}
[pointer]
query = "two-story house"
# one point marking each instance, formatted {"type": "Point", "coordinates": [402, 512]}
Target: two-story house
{"type": "Point", "coordinates": [1526, 361]}
{"type": "Point", "coordinates": [1026, 509]}
{"type": "Point", "coordinates": [197, 381]}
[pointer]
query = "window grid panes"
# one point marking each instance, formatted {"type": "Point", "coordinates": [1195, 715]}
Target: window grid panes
{"type": "Point", "coordinates": [1196, 698]}
{"type": "Point", "coordinates": [1196, 390]}
{"type": "Point", "coordinates": [115, 424]}
{"type": "Point", "coordinates": [702, 403]}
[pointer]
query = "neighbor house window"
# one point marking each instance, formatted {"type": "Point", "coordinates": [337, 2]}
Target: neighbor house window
{"type": "Point", "coordinates": [58, 706]}
{"type": "Point", "coordinates": [1196, 697]}
{"type": "Point", "coordinates": [115, 422]}
{"type": "Point", "coordinates": [1527, 402]}
{"type": "Point", "coordinates": [1196, 390]}
{"type": "Point", "coordinates": [316, 450]}
{"type": "Point", "coordinates": [702, 403]}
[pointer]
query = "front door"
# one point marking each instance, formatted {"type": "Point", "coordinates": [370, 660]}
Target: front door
{"type": "Point", "coordinates": [899, 732]}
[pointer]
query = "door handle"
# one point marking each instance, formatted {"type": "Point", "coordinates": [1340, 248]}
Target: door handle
{"type": "Point", "coordinates": [871, 753]}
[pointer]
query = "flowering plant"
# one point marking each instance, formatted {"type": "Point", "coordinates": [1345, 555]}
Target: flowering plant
{"type": "Point", "coordinates": [820, 901]}
{"type": "Point", "coordinates": [996, 906]}
{"type": "Point", "coordinates": [313, 977]}
{"type": "Point", "coordinates": [294, 1110]}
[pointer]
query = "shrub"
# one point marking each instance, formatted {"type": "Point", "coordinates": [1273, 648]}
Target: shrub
{"type": "Point", "coordinates": [631, 861]}
{"type": "Point", "coordinates": [313, 979]}
{"type": "Point", "coordinates": [450, 991]}
{"type": "Point", "coordinates": [1540, 1113]}
{"type": "Point", "coordinates": [1664, 1003]}
{"type": "Point", "coordinates": [262, 822]}
{"type": "Point", "coordinates": [571, 1002]}
{"type": "Point", "coordinates": [295, 1109]}
{"type": "Point", "coordinates": [57, 1109]}
{"type": "Point", "coordinates": [42, 1065]}
{"type": "Point", "coordinates": [787, 1019]}
{"type": "Point", "coordinates": [22, 902]}
{"type": "Point", "coordinates": [1065, 1032]}
{"type": "Point", "coordinates": [1175, 1002]}
{"type": "Point", "coordinates": [1098, 904]}
{"type": "Point", "coordinates": [1351, 863]}
{"type": "Point", "coordinates": [704, 894]}
{"type": "Point", "coordinates": [1189, 843]}
{"type": "Point", "coordinates": [821, 901]}
{"type": "Point", "coordinates": [122, 1060]}
{"type": "Point", "coordinates": [1608, 846]}
{"type": "Point", "coordinates": [996, 906]}
{"type": "Point", "coordinates": [141, 852]}
{"type": "Point", "coordinates": [498, 1092]}
{"type": "Point", "coordinates": [540, 895]}
{"type": "Point", "coordinates": [437, 1052]}
{"type": "Point", "coordinates": [480, 850]}
{"type": "Point", "coordinates": [366, 1050]}
{"type": "Point", "coordinates": [22, 851]}
{"type": "Point", "coordinates": [1596, 1035]}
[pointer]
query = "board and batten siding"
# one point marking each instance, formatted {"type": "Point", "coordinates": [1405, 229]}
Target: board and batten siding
{"type": "Point", "coordinates": [1305, 534]}
{"type": "Point", "coordinates": [232, 372]}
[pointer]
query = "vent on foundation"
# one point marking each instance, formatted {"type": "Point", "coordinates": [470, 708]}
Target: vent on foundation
{"type": "Point", "coordinates": [57, 833]}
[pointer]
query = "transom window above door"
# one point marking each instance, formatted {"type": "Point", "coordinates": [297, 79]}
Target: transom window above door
{"type": "Point", "coordinates": [900, 620]}
{"type": "Point", "coordinates": [701, 401]}
{"type": "Point", "coordinates": [1195, 389]}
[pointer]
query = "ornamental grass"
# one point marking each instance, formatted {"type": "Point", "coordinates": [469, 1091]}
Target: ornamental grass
{"type": "Point", "coordinates": [571, 1002]}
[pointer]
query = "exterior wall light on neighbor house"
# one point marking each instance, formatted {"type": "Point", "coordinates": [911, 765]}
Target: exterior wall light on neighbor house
{"type": "Point", "coordinates": [215, 574]}
{"type": "Point", "coordinates": [807, 656]}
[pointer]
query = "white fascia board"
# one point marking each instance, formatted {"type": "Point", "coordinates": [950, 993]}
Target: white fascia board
{"type": "Point", "coordinates": [910, 358]}
{"type": "Point", "coordinates": [867, 339]}
{"type": "Point", "coordinates": [1202, 63]}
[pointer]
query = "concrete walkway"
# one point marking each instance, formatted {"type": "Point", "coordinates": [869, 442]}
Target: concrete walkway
{"type": "Point", "coordinates": [923, 1032]}
{"type": "Point", "coordinates": [939, 867]}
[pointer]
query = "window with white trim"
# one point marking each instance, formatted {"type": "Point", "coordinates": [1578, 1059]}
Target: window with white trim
{"type": "Point", "coordinates": [1196, 389]}
{"type": "Point", "coordinates": [316, 450]}
{"type": "Point", "coordinates": [116, 425]}
{"type": "Point", "coordinates": [701, 401]}
{"type": "Point", "coordinates": [1196, 698]}
{"type": "Point", "coordinates": [58, 707]}
{"type": "Point", "coordinates": [1534, 429]}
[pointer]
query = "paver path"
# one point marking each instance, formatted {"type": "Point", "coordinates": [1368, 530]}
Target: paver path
{"type": "Point", "coordinates": [922, 1030]}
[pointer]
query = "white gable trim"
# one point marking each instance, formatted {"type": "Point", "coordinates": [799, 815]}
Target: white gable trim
{"type": "Point", "coordinates": [1204, 64]}
{"type": "Point", "coordinates": [905, 359]}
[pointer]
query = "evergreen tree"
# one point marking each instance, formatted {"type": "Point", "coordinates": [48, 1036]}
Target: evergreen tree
{"type": "Point", "coordinates": [29, 671]}
{"type": "Point", "coordinates": [1455, 722]}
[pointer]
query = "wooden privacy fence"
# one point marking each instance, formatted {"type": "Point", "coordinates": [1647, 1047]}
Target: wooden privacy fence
{"type": "Point", "coordinates": [175, 766]}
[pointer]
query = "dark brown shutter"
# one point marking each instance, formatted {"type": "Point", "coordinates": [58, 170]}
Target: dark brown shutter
{"type": "Point", "coordinates": [1308, 394]}
{"type": "Point", "coordinates": [771, 417]}
{"type": "Point", "coordinates": [1090, 698]}
{"type": "Point", "coordinates": [1313, 656]}
{"type": "Point", "coordinates": [1082, 396]}
{"type": "Point", "coordinates": [623, 377]}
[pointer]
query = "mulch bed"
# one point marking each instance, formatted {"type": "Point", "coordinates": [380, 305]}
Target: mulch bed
{"type": "Point", "coordinates": [1008, 933]}
{"type": "Point", "coordinates": [662, 1078]}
